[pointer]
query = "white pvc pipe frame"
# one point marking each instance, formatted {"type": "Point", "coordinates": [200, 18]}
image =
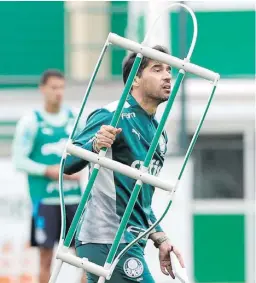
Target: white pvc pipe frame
{"type": "Point", "coordinates": [166, 58]}
{"type": "Point", "coordinates": [162, 57]}
{"type": "Point", "coordinates": [62, 255]}
{"type": "Point", "coordinates": [119, 167]}
{"type": "Point", "coordinates": [83, 263]}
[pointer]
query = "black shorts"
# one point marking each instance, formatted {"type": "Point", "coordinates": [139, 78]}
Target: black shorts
{"type": "Point", "coordinates": [46, 224]}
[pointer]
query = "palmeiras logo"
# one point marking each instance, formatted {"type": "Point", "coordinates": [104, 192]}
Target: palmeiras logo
{"type": "Point", "coordinates": [133, 267]}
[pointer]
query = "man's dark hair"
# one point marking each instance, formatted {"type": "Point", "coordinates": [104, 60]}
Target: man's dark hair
{"type": "Point", "coordinates": [49, 74]}
{"type": "Point", "coordinates": [129, 60]}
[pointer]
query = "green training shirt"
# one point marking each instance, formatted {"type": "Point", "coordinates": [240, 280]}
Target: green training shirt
{"type": "Point", "coordinates": [112, 190]}
{"type": "Point", "coordinates": [39, 142]}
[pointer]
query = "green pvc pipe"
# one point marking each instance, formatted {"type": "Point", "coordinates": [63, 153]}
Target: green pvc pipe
{"type": "Point", "coordinates": [146, 163]}
{"type": "Point", "coordinates": [95, 171]}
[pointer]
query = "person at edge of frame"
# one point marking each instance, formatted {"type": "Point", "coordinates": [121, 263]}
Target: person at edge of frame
{"type": "Point", "coordinates": [38, 144]}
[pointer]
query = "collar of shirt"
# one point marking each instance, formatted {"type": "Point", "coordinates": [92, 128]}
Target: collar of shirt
{"type": "Point", "coordinates": [133, 102]}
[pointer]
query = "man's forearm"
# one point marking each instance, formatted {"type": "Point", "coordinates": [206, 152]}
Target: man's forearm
{"type": "Point", "coordinates": [75, 164]}
{"type": "Point", "coordinates": [29, 166]}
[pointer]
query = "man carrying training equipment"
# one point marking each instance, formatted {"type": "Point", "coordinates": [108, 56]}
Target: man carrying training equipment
{"type": "Point", "coordinates": [127, 144]}
{"type": "Point", "coordinates": [37, 149]}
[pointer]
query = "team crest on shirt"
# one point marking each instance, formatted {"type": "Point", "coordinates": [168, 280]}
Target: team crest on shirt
{"type": "Point", "coordinates": [133, 267]}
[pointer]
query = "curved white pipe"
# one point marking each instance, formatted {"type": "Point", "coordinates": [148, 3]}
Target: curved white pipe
{"type": "Point", "coordinates": [193, 43]}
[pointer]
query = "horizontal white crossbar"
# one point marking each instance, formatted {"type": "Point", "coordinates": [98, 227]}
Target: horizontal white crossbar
{"type": "Point", "coordinates": [119, 167]}
{"type": "Point", "coordinates": [83, 263]}
{"type": "Point", "coordinates": [162, 57]}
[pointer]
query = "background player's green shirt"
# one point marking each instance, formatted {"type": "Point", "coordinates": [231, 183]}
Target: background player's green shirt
{"type": "Point", "coordinates": [39, 142]}
{"type": "Point", "coordinates": [112, 190]}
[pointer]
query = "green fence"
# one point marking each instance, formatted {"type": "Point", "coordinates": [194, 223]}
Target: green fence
{"type": "Point", "coordinates": [226, 41]}
{"type": "Point", "coordinates": [32, 40]}
{"type": "Point", "coordinates": [219, 248]}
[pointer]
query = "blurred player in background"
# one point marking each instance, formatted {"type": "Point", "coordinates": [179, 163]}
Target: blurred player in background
{"type": "Point", "coordinates": [37, 148]}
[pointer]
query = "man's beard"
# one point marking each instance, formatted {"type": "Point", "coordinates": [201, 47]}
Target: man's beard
{"type": "Point", "coordinates": [158, 97]}
{"type": "Point", "coordinates": [162, 98]}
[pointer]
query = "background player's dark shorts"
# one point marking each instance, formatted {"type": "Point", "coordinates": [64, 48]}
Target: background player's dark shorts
{"type": "Point", "coordinates": [46, 224]}
{"type": "Point", "coordinates": [131, 268]}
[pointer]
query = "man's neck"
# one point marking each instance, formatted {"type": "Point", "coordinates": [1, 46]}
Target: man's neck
{"type": "Point", "coordinates": [52, 109]}
{"type": "Point", "coordinates": [147, 104]}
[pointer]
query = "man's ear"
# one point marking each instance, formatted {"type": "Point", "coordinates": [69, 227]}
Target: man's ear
{"type": "Point", "coordinates": [136, 81]}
